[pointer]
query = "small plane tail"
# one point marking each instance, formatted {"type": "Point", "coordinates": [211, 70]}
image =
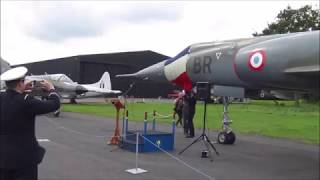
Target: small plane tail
{"type": "Point", "coordinates": [102, 86]}
{"type": "Point", "coordinates": [104, 82]}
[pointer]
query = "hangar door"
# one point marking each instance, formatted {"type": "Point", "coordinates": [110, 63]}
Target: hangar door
{"type": "Point", "coordinates": [92, 72]}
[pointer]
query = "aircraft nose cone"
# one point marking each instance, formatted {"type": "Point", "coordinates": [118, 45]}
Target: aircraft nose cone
{"type": "Point", "coordinates": [153, 73]}
{"type": "Point", "coordinates": [81, 90]}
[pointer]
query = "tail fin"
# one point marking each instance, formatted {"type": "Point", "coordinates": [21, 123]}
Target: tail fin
{"type": "Point", "coordinates": [104, 82]}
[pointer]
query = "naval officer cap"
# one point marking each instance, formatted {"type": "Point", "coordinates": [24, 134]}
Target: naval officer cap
{"type": "Point", "coordinates": [14, 74]}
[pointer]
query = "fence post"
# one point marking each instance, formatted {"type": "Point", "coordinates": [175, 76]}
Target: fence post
{"type": "Point", "coordinates": [173, 128]}
{"type": "Point", "coordinates": [137, 170]}
{"type": "Point", "coordinates": [145, 123]}
{"type": "Point", "coordinates": [126, 124]}
{"type": "Point", "coordinates": [154, 121]}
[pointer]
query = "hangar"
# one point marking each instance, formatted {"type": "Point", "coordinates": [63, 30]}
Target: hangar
{"type": "Point", "coordinates": [87, 69]}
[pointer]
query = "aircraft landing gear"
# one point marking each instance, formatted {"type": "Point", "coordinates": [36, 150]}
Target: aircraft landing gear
{"type": "Point", "coordinates": [73, 101]}
{"type": "Point", "coordinates": [56, 113]}
{"type": "Point", "coordinates": [226, 136]}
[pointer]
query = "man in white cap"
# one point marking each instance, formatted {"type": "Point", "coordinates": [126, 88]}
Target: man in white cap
{"type": "Point", "coordinates": [20, 152]}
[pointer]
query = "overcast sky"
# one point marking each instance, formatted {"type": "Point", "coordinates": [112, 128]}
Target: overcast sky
{"type": "Point", "coordinates": [40, 30]}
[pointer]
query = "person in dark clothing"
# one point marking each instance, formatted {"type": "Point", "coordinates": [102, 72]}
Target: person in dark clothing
{"type": "Point", "coordinates": [178, 104]}
{"type": "Point", "coordinates": [20, 152]}
{"type": "Point", "coordinates": [188, 111]}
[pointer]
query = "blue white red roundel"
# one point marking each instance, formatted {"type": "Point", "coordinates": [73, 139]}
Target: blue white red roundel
{"type": "Point", "coordinates": [257, 60]}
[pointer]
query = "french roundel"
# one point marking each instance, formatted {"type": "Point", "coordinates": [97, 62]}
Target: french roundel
{"type": "Point", "coordinates": [257, 60]}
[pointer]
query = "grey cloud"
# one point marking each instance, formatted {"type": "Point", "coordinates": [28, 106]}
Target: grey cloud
{"type": "Point", "coordinates": [145, 14]}
{"type": "Point", "coordinates": [61, 21]}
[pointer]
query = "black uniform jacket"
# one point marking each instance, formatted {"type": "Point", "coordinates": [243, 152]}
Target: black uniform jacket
{"type": "Point", "coordinates": [189, 106]}
{"type": "Point", "coordinates": [18, 144]}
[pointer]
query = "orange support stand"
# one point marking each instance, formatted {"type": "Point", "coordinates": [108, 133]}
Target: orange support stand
{"type": "Point", "coordinates": [116, 137]}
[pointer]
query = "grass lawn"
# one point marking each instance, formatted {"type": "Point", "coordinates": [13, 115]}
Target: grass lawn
{"type": "Point", "coordinates": [257, 117]}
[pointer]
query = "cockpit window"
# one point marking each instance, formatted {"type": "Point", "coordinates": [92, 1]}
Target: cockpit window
{"type": "Point", "coordinates": [66, 78]}
{"type": "Point", "coordinates": [63, 78]}
{"type": "Point", "coordinates": [212, 46]}
{"type": "Point", "coordinates": [182, 53]}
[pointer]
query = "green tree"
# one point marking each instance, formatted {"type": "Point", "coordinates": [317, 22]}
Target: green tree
{"type": "Point", "coordinates": [294, 20]}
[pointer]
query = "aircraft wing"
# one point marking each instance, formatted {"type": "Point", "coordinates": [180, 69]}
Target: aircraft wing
{"type": "Point", "coordinates": [34, 78]}
{"type": "Point", "coordinates": [100, 90]}
{"type": "Point", "coordinates": [4, 66]}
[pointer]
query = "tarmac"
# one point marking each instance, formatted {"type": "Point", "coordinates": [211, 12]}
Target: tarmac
{"type": "Point", "coordinates": [77, 149]}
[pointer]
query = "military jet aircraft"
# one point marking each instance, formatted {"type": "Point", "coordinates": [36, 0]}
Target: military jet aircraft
{"type": "Point", "coordinates": [282, 62]}
{"type": "Point", "coordinates": [72, 90]}
{"type": "Point", "coordinates": [4, 66]}
{"type": "Point", "coordinates": [68, 89]}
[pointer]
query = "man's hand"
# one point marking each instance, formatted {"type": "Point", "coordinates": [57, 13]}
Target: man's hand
{"type": "Point", "coordinates": [46, 85]}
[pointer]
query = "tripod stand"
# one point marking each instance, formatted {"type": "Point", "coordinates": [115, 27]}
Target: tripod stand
{"type": "Point", "coordinates": [203, 136]}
